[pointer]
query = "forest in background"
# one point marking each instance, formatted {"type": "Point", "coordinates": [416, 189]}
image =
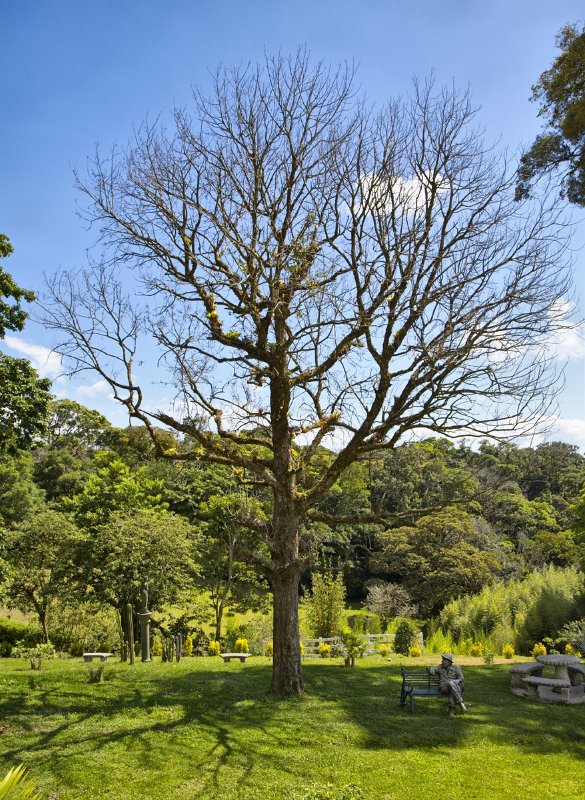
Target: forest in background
{"type": "Point", "coordinates": [487, 545]}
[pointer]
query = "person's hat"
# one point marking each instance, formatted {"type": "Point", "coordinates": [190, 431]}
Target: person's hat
{"type": "Point", "coordinates": [447, 657]}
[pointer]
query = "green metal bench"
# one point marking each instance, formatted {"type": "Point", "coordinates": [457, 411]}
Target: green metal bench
{"type": "Point", "coordinates": [418, 683]}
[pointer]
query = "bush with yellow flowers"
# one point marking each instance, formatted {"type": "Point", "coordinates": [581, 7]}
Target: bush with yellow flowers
{"type": "Point", "coordinates": [213, 648]}
{"type": "Point", "coordinates": [508, 651]}
{"type": "Point", "coordinates": [325, 650]}
{"type": "Point", "coordinates": [539, 649]}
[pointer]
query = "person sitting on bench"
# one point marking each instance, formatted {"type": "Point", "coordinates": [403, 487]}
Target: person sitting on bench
{"type": "Point", "coordinates": [450, 682]}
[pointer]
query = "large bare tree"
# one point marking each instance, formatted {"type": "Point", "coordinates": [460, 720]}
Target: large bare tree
{"type": "Point", "coordinates": [315, 272]}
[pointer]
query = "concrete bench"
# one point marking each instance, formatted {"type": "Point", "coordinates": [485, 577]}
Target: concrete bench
{"type": "Point", "coordinates": [532, 682]}
{"type": "Point", "coordinates": [519, 672]}
{"type": "Point", "coordinates": [576, 674]}
{"type": "Point", "coordinates": [101, 656]}
{"type": "Point", "coordinates": [241, 656]}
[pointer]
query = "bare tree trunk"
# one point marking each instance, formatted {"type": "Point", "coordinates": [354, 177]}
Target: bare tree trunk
{"type": "Point", "coordinates": [286, 669]}
{"type": "Point", "coordinates": [285, 576]}
{"type": "Point", "coordinates": [43, 618]}
{"type": "Point", "coordinates": [218, 620]}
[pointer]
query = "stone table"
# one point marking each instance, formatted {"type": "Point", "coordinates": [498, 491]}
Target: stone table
{"type": "Point", "coordinates": [561, 664]}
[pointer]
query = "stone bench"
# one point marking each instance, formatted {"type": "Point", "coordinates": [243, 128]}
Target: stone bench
{"type": "Point", "coordinates": [519, 672]}
{"type": "Point", "coordinates": [532, 682]}
{"type": "Point", "coordinates": [576, 674]}
{"type": "Point", "coordinates": [241, 656]}
{"type": "Point", "coordinates": [101, 656]}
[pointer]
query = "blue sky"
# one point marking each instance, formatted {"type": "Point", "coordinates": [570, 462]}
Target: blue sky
{"type": "Point", "coordinates": [77, 74]}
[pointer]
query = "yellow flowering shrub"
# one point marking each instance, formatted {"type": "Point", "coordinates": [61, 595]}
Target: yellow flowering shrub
{"type": "Point", "coordinates": [508, 651]}
{"type": "Point", "coordinates": [302, 646]}
{"type": "Point", "coordinates": [241, 646]}
{"type": "Point", "coordinates": [188, 645]}
{"type": "Point", "coordinates": [325, 650]}
{"type": "Point", "coordinates": [383, 650]}
{"type": "Point", "coordinates": [539, 649]}
{"type": "Point", "coordinates": [476, 650]}
{"type": "Point", "coordinates": [414, 651]}
{"type": "Point", "coordinates": [213, 648]}
{"type": "Point", "coordinates": [157, 647]}
{"type": "Point", "coordinates": [269, 649]}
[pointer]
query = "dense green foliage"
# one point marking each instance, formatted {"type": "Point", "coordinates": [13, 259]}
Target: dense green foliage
{"type": "Point", "coordinates": [12, 315]}
{"type": "Point", "coordinates": [561, 94]}
{"type": "Point", "coordinates": [520, 612]}
{"type": "Point", "coordinates": [89, 513]}
{"type": "Point", "coordinates": [24, 397]}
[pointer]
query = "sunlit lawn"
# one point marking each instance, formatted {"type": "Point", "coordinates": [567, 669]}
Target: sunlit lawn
{"type": "Point", "coordinates": [204, 729]}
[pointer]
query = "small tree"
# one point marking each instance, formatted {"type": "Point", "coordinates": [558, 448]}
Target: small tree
{"type": "Point", "coordinates": [405, 637]}
{"type": "Point", "coordinates": [41, 554]}
{"type": "Point", "coordinates": [389, 600]}
{"type": "Point", "coordinates": [325, 608]}
{"type": "Point", "coordinates": [353, 646]}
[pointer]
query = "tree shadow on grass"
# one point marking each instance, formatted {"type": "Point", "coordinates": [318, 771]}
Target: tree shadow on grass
{"type": "Point", "coordinates": [493, 712]}
{"type": "Point", "coordinates": [206, 719]}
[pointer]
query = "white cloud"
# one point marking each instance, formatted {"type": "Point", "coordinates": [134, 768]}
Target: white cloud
{"type": "Point", "coordinates": [569, 342]}
{"type": "Point", "coordinates": [557, 429]}
{"type": "Point", "coordinates": [98, 389]}
{"type": "Point", "coordinates": [383, 195]}
{"type": "Point", "coordinates": [46, 362]}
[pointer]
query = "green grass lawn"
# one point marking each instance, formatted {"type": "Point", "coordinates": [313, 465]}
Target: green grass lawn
{"type": "Point", "coordinates": [204, 729]}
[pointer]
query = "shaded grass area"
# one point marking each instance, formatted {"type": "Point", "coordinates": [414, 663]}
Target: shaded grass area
{"type": "Point", "coordinates": [203, 729]}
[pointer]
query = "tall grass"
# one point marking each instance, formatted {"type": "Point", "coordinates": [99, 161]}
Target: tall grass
{"type": "Point", "coordinates": [520, 613]}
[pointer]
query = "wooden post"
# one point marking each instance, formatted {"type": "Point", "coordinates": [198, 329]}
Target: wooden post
{"type": "Point", "coordinates": [130, 623]}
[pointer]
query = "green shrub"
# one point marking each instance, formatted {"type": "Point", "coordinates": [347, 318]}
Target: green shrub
{"type": "Point", "coordinates": [573, 633]}
{"type": "Point", "coordinates": [12, 632]}
{"type": "Point", "coordinates": [85, 628]}
{"type": "Point", "coordinates": [405, 636]}
{"type": "Point", "coordinates": [35, 654]}
{"type": "Point", "coordinates": [352, 646]}
{"type": "Point", "coordinates": [325, 608]}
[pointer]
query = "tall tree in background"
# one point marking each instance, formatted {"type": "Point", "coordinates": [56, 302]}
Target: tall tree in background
{"type": "Point", "coordinates": [316, 272]}
{"type": "Point", "coordinates": [24, 397]}
{"type": "Point", "coordinates": [561, 95]}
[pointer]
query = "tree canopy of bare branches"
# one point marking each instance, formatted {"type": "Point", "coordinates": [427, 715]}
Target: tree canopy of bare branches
{"type": "Point", "coordinates": [316, 272]}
